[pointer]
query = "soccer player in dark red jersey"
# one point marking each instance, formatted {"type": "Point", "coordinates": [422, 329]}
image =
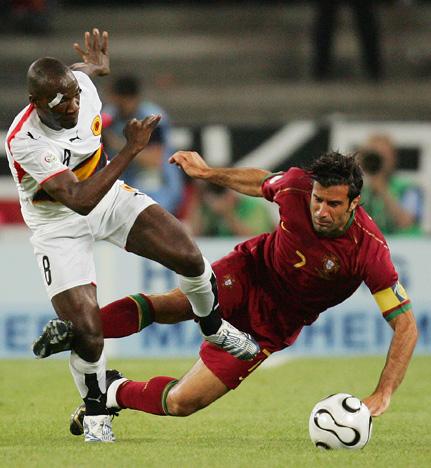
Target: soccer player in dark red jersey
{"type": "Point", "coordinates": [274, 284]}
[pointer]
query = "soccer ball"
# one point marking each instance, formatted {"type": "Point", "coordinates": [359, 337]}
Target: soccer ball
{"type": "Point", "coordinates": [340, 421]}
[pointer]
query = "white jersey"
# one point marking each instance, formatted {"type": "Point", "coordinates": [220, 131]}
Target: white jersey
{"type": "Point", "coordinates": [36, 153]}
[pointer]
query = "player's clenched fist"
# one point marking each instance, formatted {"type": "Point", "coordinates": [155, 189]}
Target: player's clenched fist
{"type": "Point", "coordinates": [138, 132]}
{"type": "Point", "coordinates": [191, 163]}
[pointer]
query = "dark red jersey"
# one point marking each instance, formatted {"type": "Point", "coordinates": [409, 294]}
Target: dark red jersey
{"type": "Point", "coordinates": [301, 273]}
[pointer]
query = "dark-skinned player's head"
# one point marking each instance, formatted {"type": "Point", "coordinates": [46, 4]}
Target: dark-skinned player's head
{"type": "Point", "coordinates": [54, 91]}
{"type": "Point", "coordinates": [336, 191]}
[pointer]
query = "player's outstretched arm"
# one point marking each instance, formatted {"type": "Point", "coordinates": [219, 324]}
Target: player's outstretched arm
{"type": "Point", "coordinates": [95, 57]}
{"type": "Point", "coordinates": [398, 358]}
{"type": "Point", "coordinates": [83, 196]}
{"type": "Point", "coordinates": [243, 180]}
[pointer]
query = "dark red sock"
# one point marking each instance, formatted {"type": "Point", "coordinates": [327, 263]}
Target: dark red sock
{"type": "Point", "coordinates": [126, 316]}
{"type": "Point", "coordinates": [149, 397]}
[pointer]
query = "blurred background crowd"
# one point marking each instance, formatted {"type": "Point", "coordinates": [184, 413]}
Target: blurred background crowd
{"type": "Point", "coordinates": [267, 84]}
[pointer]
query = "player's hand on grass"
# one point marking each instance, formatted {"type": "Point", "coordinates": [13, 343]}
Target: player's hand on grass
{"type": "Point", "coordinates": [138, 132]}
{"type": "Point", "coordinates": [95, 57]}
{"type": "Point", "coordinates": [191, 163]}
{"type": "Point", "coordinates": [377, 403]}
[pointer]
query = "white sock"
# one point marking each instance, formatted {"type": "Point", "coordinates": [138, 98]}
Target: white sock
{"type": "Point", "coordinates": [111, 394]}
{"type": "Point", "coordinates": [198, 290]}
{"type": "Point", "coordinates": [79, 368]}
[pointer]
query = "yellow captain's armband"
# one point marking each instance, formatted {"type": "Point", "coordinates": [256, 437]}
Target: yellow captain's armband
{"type": "Point", "coordinates": [393, 301]}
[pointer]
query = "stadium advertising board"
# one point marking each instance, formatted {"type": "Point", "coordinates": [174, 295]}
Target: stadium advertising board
{"type": "Point", "coordinates": [354, 327]}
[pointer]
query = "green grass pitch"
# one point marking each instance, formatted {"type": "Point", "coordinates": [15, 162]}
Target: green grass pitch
{"type": "Point", "coordinates": [264, 423]}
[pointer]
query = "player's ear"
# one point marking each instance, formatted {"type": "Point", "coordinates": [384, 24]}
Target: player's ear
{"type": "Point", "coordinates": [33, 100]}
{"type": "Point", "coordinates": [354, 203]}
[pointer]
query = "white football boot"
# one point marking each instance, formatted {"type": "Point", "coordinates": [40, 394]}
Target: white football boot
{"type": "Point", "coordinates": [114, 379]}
{"type": "Point", "coordinates": [98, 428]}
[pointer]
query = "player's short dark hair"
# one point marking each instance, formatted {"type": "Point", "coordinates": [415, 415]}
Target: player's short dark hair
{"type": "Point", "coordinates": [43, 74]}
{"type": "Point", "coordinates": [334, 168]}
{"type": "Point", "coordinates": [127, 85]}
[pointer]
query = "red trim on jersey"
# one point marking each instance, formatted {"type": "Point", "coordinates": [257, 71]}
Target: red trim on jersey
{"type": "Point", "coordinates": [55, 174]}
{"type": "Point", "coordinates": [398, 306]}
{"type": "Point", "coordinates": [20, 171]}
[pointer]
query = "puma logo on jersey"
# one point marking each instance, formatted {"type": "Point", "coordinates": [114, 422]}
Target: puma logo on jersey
{"type": "Point", "coordinates": [74, 138]}
{"type": "Point", "coordinates": [32, 137]}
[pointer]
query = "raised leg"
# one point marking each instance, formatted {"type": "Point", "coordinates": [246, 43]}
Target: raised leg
{"type": "Point", "coordinates": [159, 236]}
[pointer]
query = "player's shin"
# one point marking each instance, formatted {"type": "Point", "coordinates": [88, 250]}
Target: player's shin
{"type": "Point", "coordinates": [90, 378]}
{"type": "Point", "coordinates": [126, 316]}
{"type": "Point", "coordinates": [201, 291]}
{"type": "Point", "coordinates": [149, 397]}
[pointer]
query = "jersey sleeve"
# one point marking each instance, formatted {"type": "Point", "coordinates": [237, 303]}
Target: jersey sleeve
{"type": "Point", "coordinates": [378, 270]}
{"type": "Point", "coordinates": [294, 178]}
{"type": "Point", "coordinates": [87, 87]}
{"type": "Point", "coordinates": [85, 81]}
{"type": "Point", "coordinates": [382, 280]}
{"type": "Point", "coordinates": [38, 161]}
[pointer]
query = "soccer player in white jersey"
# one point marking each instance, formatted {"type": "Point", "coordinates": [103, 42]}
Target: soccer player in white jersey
{"type": "Point", "coordinates": [70, 197]}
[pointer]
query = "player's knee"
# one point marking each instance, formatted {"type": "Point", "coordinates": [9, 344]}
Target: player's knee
{"type": "Point", "coordinates": [88, 340]}
{"type": "Point", "coordinates": [190, 262]}
{"type": "Point", "coordinates": [89, 347]}
{"type": "Point", "coordinates": [88, 328]}
{"type": "Point", "coordinates": [179, 405]}
{"type": "Point", "coordinates": [94, 342]}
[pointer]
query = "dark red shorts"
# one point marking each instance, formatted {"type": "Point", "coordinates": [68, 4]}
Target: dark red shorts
{"type": "Point", "coordinates": [230, 370]}
{"type": "Point", "coordinates": [247, 304]}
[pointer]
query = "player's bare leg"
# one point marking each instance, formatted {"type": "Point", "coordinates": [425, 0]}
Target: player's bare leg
{"type": "Point", "coordinates": [159, 236]}
{"type": "Point", "coordinates": [171, 307]}
{"type": "Point", "coordinates": [87, 360]}
{"type": "Point", "coordinates": [79, 305]}
{"type": "Point", "coordinates": [196, 390]}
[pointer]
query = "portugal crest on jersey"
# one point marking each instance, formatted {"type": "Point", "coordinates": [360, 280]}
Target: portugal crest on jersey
{"type": "Point", "coordinates": [96, 126]}
{"type": "Point", "coordinates": [330, 266]}
{"type": "Point", "coordinates": [228, 281]}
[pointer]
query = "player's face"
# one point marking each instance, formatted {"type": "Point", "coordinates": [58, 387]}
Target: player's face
{"type": "Point", "coordinates": [60, 108]}
{"type": "Point", "coordinates": [331, 208]}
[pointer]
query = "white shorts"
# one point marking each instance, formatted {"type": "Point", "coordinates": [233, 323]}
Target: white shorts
{"type": "Point", "coordinates": [64, 249]}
